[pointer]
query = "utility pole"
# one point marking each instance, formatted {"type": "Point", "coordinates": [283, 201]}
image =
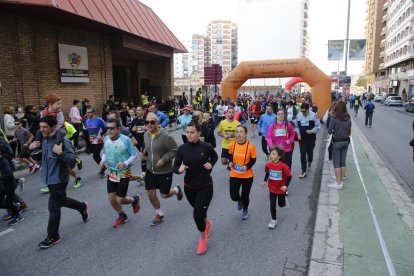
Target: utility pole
{"type": "Point", "coordinates": [346, 48]}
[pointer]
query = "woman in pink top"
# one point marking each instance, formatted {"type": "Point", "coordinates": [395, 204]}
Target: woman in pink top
{"type": "Point", "coordinates": [281, 133]}
{"type": "Point", "coordinates": [76, 120]}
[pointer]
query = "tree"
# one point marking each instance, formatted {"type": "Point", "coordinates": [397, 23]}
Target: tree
{"type": "Point", "coordinates": [362, 81]}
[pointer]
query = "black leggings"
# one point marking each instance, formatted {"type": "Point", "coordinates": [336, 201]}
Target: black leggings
{"type": "Point", "coordinates": [287, 158]}
{"type": "Point", "coordinates": [264, 144]}
{"type": "Point", "coordinates": [246, 185]}
{"type": "Point", "coordinates": [306, 149]}
{"type": "Point", "coordinates": [281, 202]}
{"type": "Point", "coordinates": [96, 151]}
{"type": "Point", "coordinates": [200, 200]}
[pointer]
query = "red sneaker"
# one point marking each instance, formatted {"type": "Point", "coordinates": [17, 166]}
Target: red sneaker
{"type": "Point", "coordinates": [135, 204]}
{"type": "Point", "coordinates": [31, 168]}
{"type": "Point", "coordinates": [208, 226]}
{"type": "Point", "coordinates": [120, 220]}
{"type": "Point", "coordinates": [202, 245]}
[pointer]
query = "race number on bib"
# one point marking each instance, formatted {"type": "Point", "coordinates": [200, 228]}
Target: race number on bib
{"type": "Point", "coordinates": [304, 123]}
{"type": "Point", "coordinates": [280, 132]}
{"type": "Point", "coordinates": [238, 168]}
{"type": "Point", "coordinates": [275, 175]}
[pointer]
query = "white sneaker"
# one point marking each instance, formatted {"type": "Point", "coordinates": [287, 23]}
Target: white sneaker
{"type": "Point", "coordinates": [336, 186]}
{"type": "Point", "coordinates": [334, 177]}
{"type": "Point", "coordinates": [272, 224]}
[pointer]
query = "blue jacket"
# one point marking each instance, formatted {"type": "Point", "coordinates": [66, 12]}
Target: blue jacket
{"type": "Point", "coordinates": [162, 118]}
{"type": "Point", "coordinates": [56, 168]}
{"type": "Point", "coordinates": [264, 122]}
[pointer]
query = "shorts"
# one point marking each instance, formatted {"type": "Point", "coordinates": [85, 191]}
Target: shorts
{"type": "Point", "coordinates": [225, 153]}
{"type": "Point", "coordinates": [253, 120]}
{"type": "Point", "coordinates": [162, 182]}
{"type": "Point", "coordinates": [120, 188]}
{"type": "Point", "coordinates": [24, 153]}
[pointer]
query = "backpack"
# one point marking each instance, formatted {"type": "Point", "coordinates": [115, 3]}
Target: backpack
{"type": "Point", "coordinates": [356, 102]}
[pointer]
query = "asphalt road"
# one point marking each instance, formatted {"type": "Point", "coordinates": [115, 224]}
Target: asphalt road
{"type": "Point", "coordinates": [390, 134]}
{"type": "Point", "coordinates": [235, 247]}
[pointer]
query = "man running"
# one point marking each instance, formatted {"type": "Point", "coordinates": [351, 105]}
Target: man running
{"type": "Point", "coordinates": [265, 121]}
{"type": "Point", "coordinates": [57, 160]}
{"type": "Point", "coordinates": [227, 130]}
{"type": "Point", "coordinates": [119, 153]}
{"type": "Point", "coordinates": [160, 150]}
{"type": "Point", "coordinates": [309, 125]}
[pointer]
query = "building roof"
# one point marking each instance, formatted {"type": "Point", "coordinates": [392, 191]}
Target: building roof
{"type": "Point", "coordinates": [130, 16]}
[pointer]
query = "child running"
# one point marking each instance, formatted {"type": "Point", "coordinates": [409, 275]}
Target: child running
{"type": "Point", "coordinates": [277, 178]}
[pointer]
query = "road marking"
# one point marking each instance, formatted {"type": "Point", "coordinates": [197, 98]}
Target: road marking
{"type": "Point", "coordinates": [8, 230]}
{"type": "Point", "coordinates": [384, 248]}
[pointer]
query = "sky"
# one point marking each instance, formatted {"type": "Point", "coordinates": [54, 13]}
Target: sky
{"type": "Point", "coordinates": [263, 25]}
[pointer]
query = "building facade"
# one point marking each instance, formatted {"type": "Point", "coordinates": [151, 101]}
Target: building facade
{"type": "Point", "coordinates": [122, 58]}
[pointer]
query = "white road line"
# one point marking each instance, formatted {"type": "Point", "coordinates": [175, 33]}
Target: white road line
{"type": "Point", "coordinates": [8, 230]}
{"type": "Point", "coordinates": [387, 256]}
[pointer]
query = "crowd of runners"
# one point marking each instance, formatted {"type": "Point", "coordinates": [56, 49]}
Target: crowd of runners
{"type": "Point", "coordinates": [126, 134]}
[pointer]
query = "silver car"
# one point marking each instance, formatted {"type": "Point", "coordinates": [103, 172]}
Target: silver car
{"type": "Point", "coordinates": [394, 100]}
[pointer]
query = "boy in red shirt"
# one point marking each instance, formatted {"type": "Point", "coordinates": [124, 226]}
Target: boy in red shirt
{"type": "Point", "coordinates": [277, 178]}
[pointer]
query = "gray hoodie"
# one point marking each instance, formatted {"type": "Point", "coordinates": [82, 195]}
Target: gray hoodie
{"type": "Point", "coordinates": [164, 147]}
{"type": "Point", "coordinates": [340, 128]}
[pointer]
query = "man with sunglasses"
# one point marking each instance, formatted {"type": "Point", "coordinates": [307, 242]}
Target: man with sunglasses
{"type": "Point", "coordinates": [119, 153]}
{"type": "Point", "coordinates": [309, 125]}
{"type": "Point", "coordinates": [160, 150]}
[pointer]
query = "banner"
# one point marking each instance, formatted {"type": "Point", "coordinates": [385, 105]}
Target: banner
{"type": "Point", "coordinates": [357, 49]}
{"type": "Point", "coordinates": [73, 63]}
{"type": "Point", "coordinates": [335, 49]}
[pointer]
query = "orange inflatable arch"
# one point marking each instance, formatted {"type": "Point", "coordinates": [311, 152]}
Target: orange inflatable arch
{"type": "Point", "coordinates": [292, 82]}
{"type": "Point", "coordinates": [319, 82]}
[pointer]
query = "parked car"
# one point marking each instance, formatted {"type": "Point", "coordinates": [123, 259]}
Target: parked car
{"type": "Point", "coordinates": [386, 96]}
{"type": "Point", "coordinates": [377, 98]}
{"type": "Point", "coordinates": [394, 100]}
{"type": "Point", "coordinates": [409, 106]}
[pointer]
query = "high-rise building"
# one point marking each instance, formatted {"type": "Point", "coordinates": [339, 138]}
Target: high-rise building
{"type": "Point", "coordinates": [182, 63]}
{"type": "Point", "coordinates": [198, 54]}
{"type": "Point", "coordinates": [375, 45]}
{"type": "Point", "coordinates": [221, 45]}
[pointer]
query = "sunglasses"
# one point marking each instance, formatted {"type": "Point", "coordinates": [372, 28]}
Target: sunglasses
{"type": "Point", "coordinates": [17, 124]}
{"type": "Point", "coordinates": [111, 128]}
{"type": "Point", "coordinates": [152, 122]}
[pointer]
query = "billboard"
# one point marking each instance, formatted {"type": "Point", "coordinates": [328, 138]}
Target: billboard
{"type": "Point", "coordinates": [357, 49]}
{"type": "Point", "coordinates": [335, 49]}
{"type": "Point", "coordinates": [73, 63]}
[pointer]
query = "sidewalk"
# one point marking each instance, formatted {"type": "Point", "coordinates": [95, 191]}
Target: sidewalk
{"type": "Point", "coordinates": [368, 227]}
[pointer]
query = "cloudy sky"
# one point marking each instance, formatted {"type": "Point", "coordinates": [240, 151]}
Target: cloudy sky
{"type": "Point", "coordinates": [266, 26]}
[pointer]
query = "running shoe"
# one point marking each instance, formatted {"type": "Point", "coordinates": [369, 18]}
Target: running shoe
{"type": "Point", "coordinates": [303, 175]}
{"type": "Point", "coordinates": [157, 220]}
{"type": "Point", "coordinates": [334, 177]}
{"type": "Point", "coordinates": [202, 245]}
{"type": "Point", "coordinates": [120, 220]}
{"type": "Point", "coordinates": [286, 203]}
{"type": "Point", "coordinates": [208, 227]}
{"type": "Point", "coordinates": [267, 157]}
{"type": "Point", "coordinates": [253, 136]}
{"type": "Point", "coordinates": [22, 207]}
{"type": "Point", "coordinates": [239, 205]}
{"type": "Point", "coordinates": [272, 224]}
{"type": "Point", "coordinates": [16, 219]}
{"type": "Point", "coordinates": [102, 173]}
{"type": "Point", "coordinates": [309, 165]}
{"type": "Point", "coordinates": [7, 215]}
{"type": "Point", "coordinates": [245, 215]}
{"type": "Point", "coordinates": [44, 190]}
{"type": "Point", "coordinates": [85, 213]}
{"type": "Point", "coordinates": [31, 167]}
{"type": "Point", "coordinates": [79, 163]}
{"type": "Point", "coordinates": [78, 183]}
{"type": "Point", "coordinates": [49, 242]}
{"type": "Point", "coordinates": [336, 186]}
{"type": "Point", "coordinates": [180, 193]}
{"type": "Point", "coordinates": [135, 205]}
{"type": "Point", "coordinates": [36, 168]}
{"type": "Point", "coordinates": [20, 184]}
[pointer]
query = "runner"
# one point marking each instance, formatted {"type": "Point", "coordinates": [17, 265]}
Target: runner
{"type": "Point", "coordinates": [138, 129]}
{"type": "Point", "coordinates": [160, 150]}
{"type": "Point", "coordinates": [369, 112]}
{"type": "Point", "coordinates": [95, 127]}
{"type": "Point", "coordinates": [242, 157]}
{"type": "Point", "coordinates": [227, 129]}
{"type": "Point", "coordinates": [277, 178]}
{"type": "Point", "coordinates": [340, 128]}
{"type": "Point", "coordinates": [57, 159]}
{"type": "Point", "coordinates": [183, 120]}
{"type": "Point", "coordinates": [309, 125]}
{"type": "Point", "coordinates": [281, 133]}
{"type": "Point", "coordinates": [265, 121]}
{"type": "Point", "coordinates": [119, 153]}
{"type": "Point", "coordinates": [254, 113]}
{"type": "Point", "coordinates": [197, 159]}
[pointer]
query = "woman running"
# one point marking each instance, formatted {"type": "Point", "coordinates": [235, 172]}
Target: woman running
{"type": "Point", "coordinates": [242, 157]}
{"type": "Point", "coordinates": [197, 159]}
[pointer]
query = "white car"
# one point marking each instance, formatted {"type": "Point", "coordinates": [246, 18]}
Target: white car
{"type": "Point", "coordinates": [377, 98]}
{"type": "Point", "coordinates": [394, 100]}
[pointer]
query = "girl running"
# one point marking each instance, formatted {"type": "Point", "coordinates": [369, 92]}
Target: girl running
{"type": "Point", "coordinates": [242, 157]}
{"type": "Point", "coordinates": [197, 159]}
{"type": "Point", "coordinates": [277, 178]}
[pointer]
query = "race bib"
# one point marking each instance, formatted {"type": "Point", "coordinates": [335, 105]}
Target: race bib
{"type": "Point", "coordinates": [231, 133]}
{"type": "Point", "coordinates": [304, 123]}
{"type": "Point", "coordinates": [280, 132]}
{"type": "Point", "coordinates": [91, 138]}
{"type": "Point", "coordinates": [238, 168]}
{"type": "Point", "coordinates": [275, 175]}
{"type": "Point", "coordinates": [113, 177]}
{"type": "Point", "coordinates": [140, 129]}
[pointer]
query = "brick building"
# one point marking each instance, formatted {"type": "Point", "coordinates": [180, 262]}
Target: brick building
{"type": "Point", "coordinates": [126, 47]}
